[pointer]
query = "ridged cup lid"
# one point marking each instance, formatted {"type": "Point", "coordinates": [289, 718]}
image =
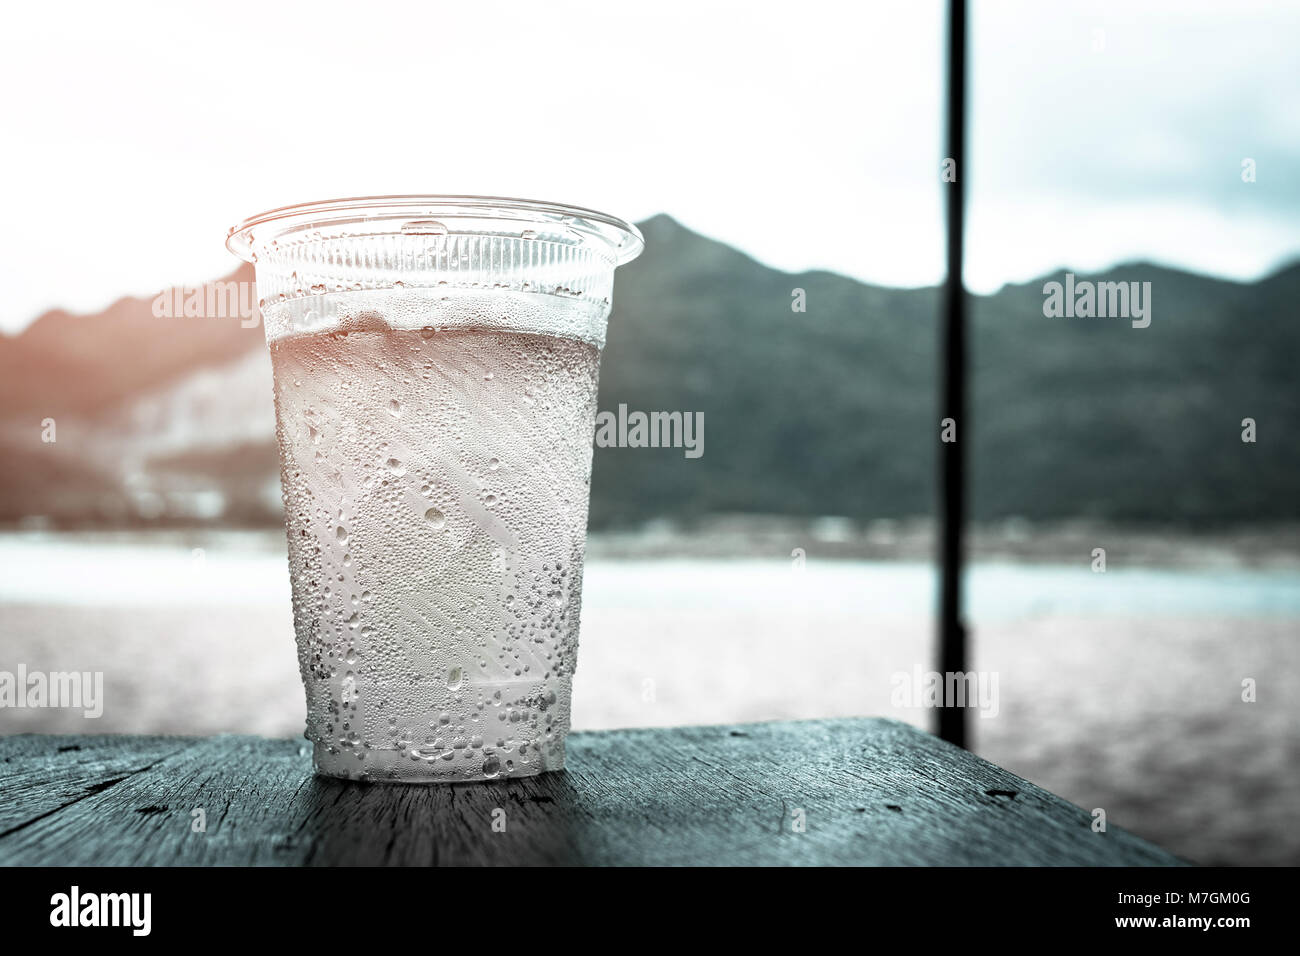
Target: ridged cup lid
{"type": "Point", "coordinates": [379, 215]}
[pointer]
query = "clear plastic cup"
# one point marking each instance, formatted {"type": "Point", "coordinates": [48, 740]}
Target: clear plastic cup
{"type": "Point", "coordinates": [435, 362]}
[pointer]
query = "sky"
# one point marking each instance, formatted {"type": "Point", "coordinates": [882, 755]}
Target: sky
{"type": "Point", "coordinates": [808, 135]}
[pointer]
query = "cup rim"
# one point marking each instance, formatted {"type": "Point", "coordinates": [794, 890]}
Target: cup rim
{"type": "Point", "coordinates": [622, 238]}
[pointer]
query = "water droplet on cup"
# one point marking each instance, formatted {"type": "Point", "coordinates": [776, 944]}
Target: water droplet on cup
{"type": "Point", "coordinates": [436, 518]}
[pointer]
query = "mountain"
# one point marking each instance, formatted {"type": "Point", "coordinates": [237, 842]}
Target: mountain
{"type": "Point", "coordinates": [1093, 418]}
{"type": "Point", "coordinates": [85, 365]}
{"type": "Point", "coordinates": [828, 411]}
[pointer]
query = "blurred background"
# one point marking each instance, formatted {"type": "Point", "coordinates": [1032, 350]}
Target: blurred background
{"type": "Point", "coordinates": [764, 149]}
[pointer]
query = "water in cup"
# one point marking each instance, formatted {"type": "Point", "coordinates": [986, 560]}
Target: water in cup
{"type": "Point", "coordinates": [435, 487]}
{"type": "Point", "coordinates": [435, 437]}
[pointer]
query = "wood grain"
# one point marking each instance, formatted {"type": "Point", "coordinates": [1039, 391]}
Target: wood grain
{"type": "Point", "coordinates": [869, 791]}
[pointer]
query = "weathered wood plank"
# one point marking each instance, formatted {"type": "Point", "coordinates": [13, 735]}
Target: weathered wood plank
{"type": "Point", "coordinates": [41, 775]}
{"type": "Point", "coordinates": [870, 791]}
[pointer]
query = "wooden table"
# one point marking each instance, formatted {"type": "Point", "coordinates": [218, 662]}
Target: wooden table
{"type": "Point", "coordinates": [856, 791]}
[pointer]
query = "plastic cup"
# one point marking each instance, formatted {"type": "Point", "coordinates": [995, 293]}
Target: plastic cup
{"type": "Point", "coordinates": [435, 365]}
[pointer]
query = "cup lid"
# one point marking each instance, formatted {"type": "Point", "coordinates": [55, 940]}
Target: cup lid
{"type": "Point", "coordinates": [621, 238]}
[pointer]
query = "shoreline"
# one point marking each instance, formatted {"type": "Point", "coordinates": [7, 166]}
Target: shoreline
{"type": "Point", "coordinates": [778, 538]}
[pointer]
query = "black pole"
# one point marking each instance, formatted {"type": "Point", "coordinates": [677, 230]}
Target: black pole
{"type": "Point", "coordinates": [952, 634]}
